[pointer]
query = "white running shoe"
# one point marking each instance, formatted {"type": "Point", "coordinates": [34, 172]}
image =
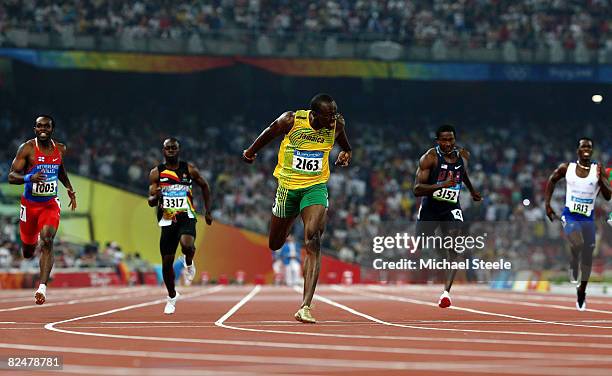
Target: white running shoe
{"type": "Point", "coordinates": [171, 304]}
{"type": "Point", "coordinates": [190, 270]}
{"type": "Point", "coordinates": [445, 300]}
{"type": "Point", "coordinates": [41, 294]}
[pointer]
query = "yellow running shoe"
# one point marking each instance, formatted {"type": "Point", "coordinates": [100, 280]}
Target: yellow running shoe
{"type": "Point", "coordinates": [303, 315]}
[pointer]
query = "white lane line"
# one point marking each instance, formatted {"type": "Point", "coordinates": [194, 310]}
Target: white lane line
{"type": "Point", "coordinates": [354, 322]}
{"type": "Point", "coordinates": [530, 304]}
{"type": "Point", "coordinates": [124, 371]}
{"type": "Point", "coordinates": [515, 368]}
{"type": "Point", "coordinates": [272, 344]}
{"type": "Point", "coordinates": [487, 292]}
{"type": "Point", "coordinates": [27, 295]}
{"type": "Point", "coordinates": [145, 322]}
{"type": "Point", "coordinates": [78, 301]}
{"type": "Point", "coordinates": [480, 312]}
{"type": "Point", "coordinates": [507, 301]}
{"type": "Point", "coordinates": [551, 297]}
{"type": "Point", "coordinates": [325, 324]}
{"type": "Point", "coordinates": [51, 325]}
{"type": "Point", "coordinates": [236, 307]}
{"type": "Point", "coordinates": [348, 348]}
{"type": "Point", "coordinates": [15, 300]}
{"type": "Point", "coordinates": [380, 349]}
{"type": "Point", "coordinates": [371, 318]}
{"type": "Point", "coordinates": [455, 340]}
{"type": "Point", "coordinates": [495, 354]}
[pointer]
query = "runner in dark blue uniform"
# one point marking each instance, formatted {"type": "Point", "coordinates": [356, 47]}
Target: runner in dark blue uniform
{"type": "Point", "coordinates": [441, 172]}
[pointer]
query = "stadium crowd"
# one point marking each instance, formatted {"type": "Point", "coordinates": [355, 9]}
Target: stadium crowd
{"type": "Point", "coordinates": [473, 23]}
{"type": "Point", "coordinates": [509, 165]}
{"type": "Point", "coordinates": [67, 254]}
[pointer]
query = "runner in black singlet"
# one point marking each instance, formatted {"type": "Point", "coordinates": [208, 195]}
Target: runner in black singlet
{"type": "Point", "coordinates": [170, 190]}
{"type": "Point", "coordinates": [439, 177]}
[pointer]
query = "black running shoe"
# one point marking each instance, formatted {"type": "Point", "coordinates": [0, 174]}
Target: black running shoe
{"type": "Point", "coordinates": [581, 300]}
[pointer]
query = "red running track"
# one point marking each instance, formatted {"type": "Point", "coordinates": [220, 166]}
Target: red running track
{"type": "Point", "coordinates": [362, 330]}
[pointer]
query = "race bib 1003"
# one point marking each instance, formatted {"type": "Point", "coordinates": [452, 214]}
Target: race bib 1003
{"type": "Point", "coordinates": [45, 188]}
{"type": "Point", "coordinates": [308, 162]}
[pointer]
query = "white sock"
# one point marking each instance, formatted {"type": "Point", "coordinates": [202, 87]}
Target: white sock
{"type": "Point", "coordinates": [42, 286]}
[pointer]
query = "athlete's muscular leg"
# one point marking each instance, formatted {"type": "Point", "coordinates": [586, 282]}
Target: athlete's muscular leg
{"type": "Point", "coordinates": [314, 225]}
{"type": "Point", "coordinates": [576, 246]}
{"type": "Point", "coordinates": [586, 260]}
{"type": "Point", "coordinates": [452, 256]}
{"type": "Point", "coordinates": [167, 245]}
{"type": "Point", "coordinates": [188, 247]}
{"type": "Point", "coordinates": [168, 274]}
{"type": "Point", "coordinates": [47, 234]}
{"type": "Point", "coordinates": [575, 239]}
{"type": "Point", "coordinates": [279, 230]}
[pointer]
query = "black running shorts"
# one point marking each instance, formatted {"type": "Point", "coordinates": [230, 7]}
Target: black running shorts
{"type": "Point", "coordinates": [171, 235]}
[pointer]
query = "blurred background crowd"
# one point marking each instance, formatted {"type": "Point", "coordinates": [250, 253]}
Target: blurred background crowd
{"type": "Point", "coordinates": [511, 159]}
{"type": "Point", "coordinates": [67, 254]}
{"type": "Point", "coordinates": [476, 23]}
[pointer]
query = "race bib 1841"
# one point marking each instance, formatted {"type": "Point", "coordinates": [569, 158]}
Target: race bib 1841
{"type": "Point", "coordinates": [308, 162]}
{"type": "Point", "coordinates": [45, 188]}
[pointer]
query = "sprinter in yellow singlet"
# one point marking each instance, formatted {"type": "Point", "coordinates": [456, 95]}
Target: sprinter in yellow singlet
{"type": "Point", "coordinates": [302, 172]}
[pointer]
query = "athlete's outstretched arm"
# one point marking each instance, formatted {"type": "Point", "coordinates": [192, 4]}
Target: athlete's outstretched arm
{"type": "Point", "coordinates": [280, 126]}
{"type": "Point", "coordinates": [16, 174]}
{"type": "Point", "coordinates": [557, 175]}
{"type": "Point", "coordinates": [604, 184]}
{"type": "Point", "coordinates": [199, 179]}
{"type": "Point", "coordinates": [465, 155]}
{"type": "Point", "coordinates": [154, 188]}
{"type": "Point", "coordinates": [63, 177]}
{"type": "Point", "coordinates": [426, 163]}
{"type": "Point", "coordinates": [344, 157]}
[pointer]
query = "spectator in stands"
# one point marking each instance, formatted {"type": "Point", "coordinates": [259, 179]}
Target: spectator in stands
{"type": "Point", "coordinates": [564, 25]}
{"type": "Point", "coordinates": [6, 258]}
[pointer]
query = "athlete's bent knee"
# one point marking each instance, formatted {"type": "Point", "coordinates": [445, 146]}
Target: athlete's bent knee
{"type": "Point", "coordinates": [577, 244]}
{"type": "Point", "coordinates": [576, 240]}
{"type": "Point", "coordinates": [47, 242]}
{"type": "Point", "coordinates": [313, 242]}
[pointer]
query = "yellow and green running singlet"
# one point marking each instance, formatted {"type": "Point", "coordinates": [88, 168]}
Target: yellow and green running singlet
{"type": "Point", "coordinates": [303, 156]}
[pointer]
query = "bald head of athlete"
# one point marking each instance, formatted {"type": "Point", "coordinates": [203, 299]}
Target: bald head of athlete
{"type": "Point", "coordinates": [324, 111]}
{"type": "Point", "coordinates": [43, 128]}
{"type": "Point", "coordinates": [585, 150]}
{"type": "Point", "coordinates": [171, 149]}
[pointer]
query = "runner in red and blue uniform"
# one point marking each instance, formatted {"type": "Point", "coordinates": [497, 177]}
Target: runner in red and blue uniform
{"type": "Point", "coordinates": [39, 165]}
